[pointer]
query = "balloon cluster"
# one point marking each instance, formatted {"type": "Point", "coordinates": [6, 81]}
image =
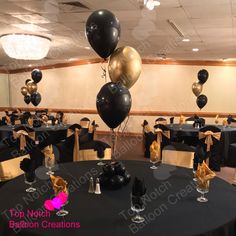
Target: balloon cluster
{"type": "Point", "coordinates": [124, 67]}
{"type": "Point", "coordinates": [31, 87]}
{"type": "Point", "coordinates": [198, 86]}
{"type": "Point", "coordinates": [114, 176]}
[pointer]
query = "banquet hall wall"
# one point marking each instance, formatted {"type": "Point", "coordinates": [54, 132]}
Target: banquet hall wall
{"type": "Point", "coordinates": [159, 88]}
{"type": "Point", "coordinates": [4, 90]}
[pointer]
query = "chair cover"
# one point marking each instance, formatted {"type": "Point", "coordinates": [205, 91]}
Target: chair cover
{"type": "Point", "coordinates": [209, 137]}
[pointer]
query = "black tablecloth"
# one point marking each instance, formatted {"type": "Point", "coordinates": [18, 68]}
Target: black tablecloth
{"type": "Point", "coordinates": [56, 132]}
{"type": "Point", "coordinates": [171, 206]}
{"type": "Point", "coordinates": [228, 136]}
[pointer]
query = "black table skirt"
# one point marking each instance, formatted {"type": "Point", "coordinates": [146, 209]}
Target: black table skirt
{"type": "Point", "coordinates": [171, 206]}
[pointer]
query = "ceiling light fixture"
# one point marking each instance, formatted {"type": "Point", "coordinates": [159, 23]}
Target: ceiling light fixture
{"type": "Point", "coordinates": [150, 4]}
{"type": "Point", "coordinates": [25, 46]}
{"type": "Point", "coordinates": [195, 49]}
{"type": "Point", "coordinates": [185, 40]}
{"type": "Point", "coordinates": [228, 59]}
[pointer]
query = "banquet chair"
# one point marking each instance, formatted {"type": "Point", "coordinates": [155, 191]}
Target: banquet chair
{"type": "Point", "coordinates": [162, 137]}
{"type": "Point", "coordinates": [148, 138]}
{"type": "Point", "coordinates": [25, 116]}
{"type": "Point", "coordinates": [231, 160]}
{"type": "Point", "coordinates": [20, 145]}
{"type": "Point", "coordinates": [79, 146]}
{"type": "Point", "coordinates": [209, 139]}
{"type": "Point", "coordinates": [161, 120]}
{"type": "Point", "coordinates": [190, 120]}
{"type": "Point", "coordinates": [178, 154]}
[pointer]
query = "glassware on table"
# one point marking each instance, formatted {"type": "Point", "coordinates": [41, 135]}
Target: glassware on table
{"type": "Point", "coordinates": [30, 179]}
{"type": "Point", "coordinates": [203, 188]}
{"type": "Point", "coordinates": [49, 164]}
{"type": "Point", "coordinates": [62, 211]}
{"type": "Point", "coordinates": [137, 205]}
{"type": "Point", "coordinates": [154, 160]}
{"type": "Point", "coordinates": [101, 163]}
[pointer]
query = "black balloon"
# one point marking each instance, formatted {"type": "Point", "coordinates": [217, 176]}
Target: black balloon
{"type": "Point", "coordinates": [27, 99]}
{"type": "Point", "coordinates": [113, 104]}
{"type": "Point", "coordinates": [116, 182]}
{"type": "Point", "coordinates": [36, 75]}
{"type": "Point", "coordinates": [27, 81]}
{"type": "Point", "coordinates": [127, 177]}
{"type": "Point", "coordinates": [103, 32]}
{"type": "Point", "coordinates": [202, 76]}
{"type": "Point", "coordinates": [201, 101]}
{"type": "Point", "coordinates": [35, 98]}
{"type": "Point", "coordinates": [109, 170]}
{"type": "Point", "coordinates": [119, 168]}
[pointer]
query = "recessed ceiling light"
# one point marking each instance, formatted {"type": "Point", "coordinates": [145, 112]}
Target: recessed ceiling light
{"type": "Point", "coordinates": [29, 65]}
{"type": "Point", "coordinates": [73, 59]}
{"type": "Point", "coordinates": [195, 49]}
{"type": "Point", "coordinates": [88, 48]}
{"type": "Point", "coordinates": [150, 4]}
{"type": "Point", "coordinates": [186, 40]}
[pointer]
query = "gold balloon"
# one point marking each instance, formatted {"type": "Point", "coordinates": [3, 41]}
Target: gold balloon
{"type": "Point", "coordinates": [125, 66]}
{"type": "Point", "coordinates": [32, 87]}
{"type": "Point", "coordinates": [24, 91]}
{"type": "Point", "coordinates": [197, 88]}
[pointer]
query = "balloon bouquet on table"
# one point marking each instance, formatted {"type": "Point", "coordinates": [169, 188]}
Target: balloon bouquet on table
{"type": "Point", "coordinates": [197, 88]}
{"type": "Point", "coordinates": [113, 101]}
{"type": "Point", "coordinates": [29, 91]}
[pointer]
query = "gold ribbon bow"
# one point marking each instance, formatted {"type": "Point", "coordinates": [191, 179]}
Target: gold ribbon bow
{"type": "Point", "coordinates": [21, 135]}
{"type": "Point", "coordinates": [181, 120]}
{"type": "Point", "coordinates": [76, 143]}
{"type": "Point", "coordinates": [224, 122]}
{"type": "Point", "coordinates": [30, 121]}
{"type": "Point", "coordinates": [155, 151]}
{"type": "Point", "coordinates": [159, 133]}
{"type": "Point", "coordinates": [8, 120]}
{"type": "Point", "coordinates": [208, 135]}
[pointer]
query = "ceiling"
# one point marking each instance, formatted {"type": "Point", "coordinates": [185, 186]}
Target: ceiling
{"type": "Point", "coordinates": [209, 24]}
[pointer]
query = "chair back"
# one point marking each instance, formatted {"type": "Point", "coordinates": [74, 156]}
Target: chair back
{"type": "Point", "coordinates": [162, 137]}
{"type": "Point", "coordinates": [161, 120]}
{"type": "Point", "coordinates": [209, 139]}
{"type": "Point", "coordinates": [85, 122]}
{"type": "Point", "coordinates": [190, 120]}
{"type": "Point", "coordinates": [178, 154]}
{"type": "Point", "coordinates": [148, 138]}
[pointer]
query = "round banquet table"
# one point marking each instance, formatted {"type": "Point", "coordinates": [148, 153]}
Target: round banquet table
{"type": "Point", "coordinates": [228, 136]}
{"type": "Point", "coordinates": [171, 208]}
{"type": "Point", "coordinates": [56, 132]}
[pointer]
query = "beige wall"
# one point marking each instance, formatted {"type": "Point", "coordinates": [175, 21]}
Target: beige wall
{"type": "Point", "coordinates": [4, 90]}
{"type": "Point", "coordinates": [159, 88]}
